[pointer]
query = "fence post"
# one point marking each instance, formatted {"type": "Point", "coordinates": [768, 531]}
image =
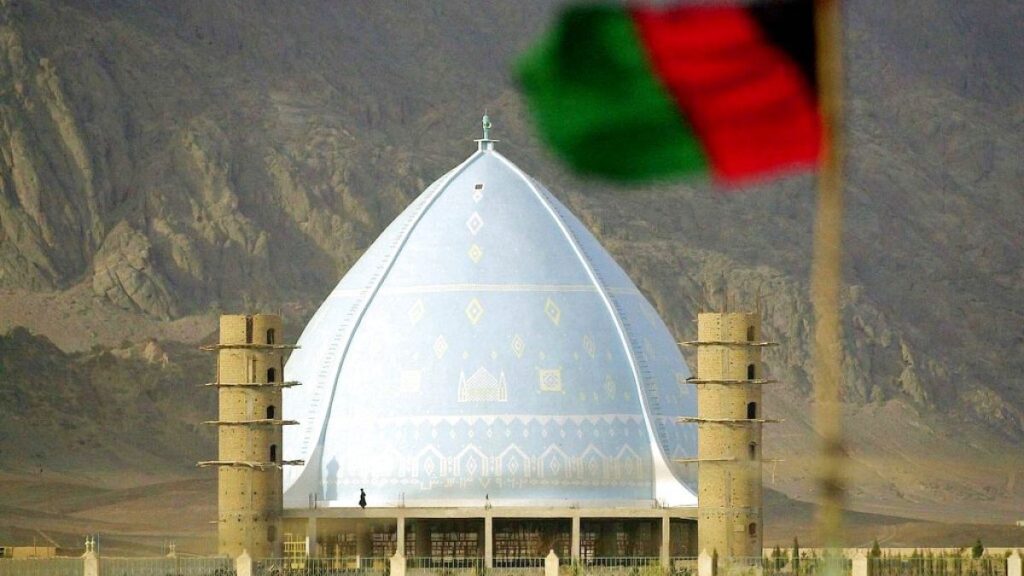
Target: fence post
{"type": "Point", "coordinates": [705, 564]}
{"type": "Point", "coordinates": [397, 564]}
{"type": "Point", "coordinates": [92, 564]}
{"type": "Point", "coordinates": [860, 564]}
{"type": "Point", "coordinates": [243, 564]}
{"type": "Point", "coordinates": [1013, 567]}
{"type": "Point", "coordinates": [551, 564]}
{"type": "Point", "coordinates": [90, 560]}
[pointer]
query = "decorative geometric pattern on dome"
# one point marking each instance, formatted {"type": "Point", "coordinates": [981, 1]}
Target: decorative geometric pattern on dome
{"type": "Point", "coordinates": [440, 346]}
{"type": "Point", "coordinates": [474, 311]}
{"type": "Point", "coordinates": [475, 253]}
{"type": "Point", "coordinates": [552, 311]}
{"type": "Point", "coordinates": [475, 223]}
{"type": "Point", "coordinates": [416, 312]}
{"type": "Point", "coordinates": [550, 379]}
{"type": "Point", "coordinates": [478, 194]}
{"type": "Point", "coordinates": [589, 346]}
{"type": "Point", "coordinates": [518, 346]}
{"type": "Point", "coordinates": [482, 386]}
{"type": "Point", "coordinates": [609, 387]}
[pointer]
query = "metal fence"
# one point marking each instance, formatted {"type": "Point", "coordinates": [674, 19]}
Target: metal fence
{"type": "Point", "coordinates": [683, 566]}
{"type": "Point", "coordinates": [616, 566]}
{"type": "Point", "coordinates": [348, 566]}
{"type": "Point", "coordinates": [507, 566]}
{"type": "Point", "coordinates": [765, 566]}
{"type": "Point", "coordinates": [41, 567]}
{"type": "Point", "coordinates": [180, 566]}
{"type": "Point", "coordinates": [937, 566]}
{"type": "Point", "coordinates": [444, 566]}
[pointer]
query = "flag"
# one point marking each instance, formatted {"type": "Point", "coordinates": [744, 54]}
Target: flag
{"type": "Point", "coordinates": [648, 93]}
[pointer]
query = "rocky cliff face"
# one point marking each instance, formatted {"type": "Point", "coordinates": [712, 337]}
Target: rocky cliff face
{"type": "Point", "coordinates": [170, 159]}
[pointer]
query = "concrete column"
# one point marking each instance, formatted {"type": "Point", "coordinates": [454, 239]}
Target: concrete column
{"type": "Point", "coordinates": [400, 536]}
{"type": "Point", "coordinates": [551, 564]}
{"type": "Point", "coordinates": [666, 542]}
{"type": "Point", "coordinates": [1013, 564]}
{"type": "Point", "coordinates": [860, 564]}
{"type": "Point", "coordinates": [575, 539]}
{"type": "Point", "coordinates": [488, 541]}
{"type": "Point", "coordinates": [398, 560]}
{"type": "Point", "coordinates": [311, 536]}
{"type": "Point", "coordinates": [705, 564]}
{"type": "Point", "coordinates": [243, 564]}
{"type": "Point", "coordinates": [91, 563]}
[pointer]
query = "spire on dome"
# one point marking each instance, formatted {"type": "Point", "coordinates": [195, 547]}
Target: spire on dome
{"type": "Point", "coordinates": [486, 143]}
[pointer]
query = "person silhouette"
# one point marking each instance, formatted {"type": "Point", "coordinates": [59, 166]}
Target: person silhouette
{"type": "Point", "coordinates": [362, 498]}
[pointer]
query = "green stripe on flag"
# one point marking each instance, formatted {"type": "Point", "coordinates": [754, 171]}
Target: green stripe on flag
{"type": "Point", "coordinates": [598, 103]}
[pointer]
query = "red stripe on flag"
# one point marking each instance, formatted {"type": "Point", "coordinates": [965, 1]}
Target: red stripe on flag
{"type": "Point", "coordinates": [747, 100]}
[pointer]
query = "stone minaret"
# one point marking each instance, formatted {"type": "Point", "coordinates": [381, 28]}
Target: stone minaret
{"type": "Point", "coordinates": [250, 377]}
{"type": "Point", "coordinates": [729, 417]}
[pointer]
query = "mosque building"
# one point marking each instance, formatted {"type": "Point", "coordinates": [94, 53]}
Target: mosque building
{"type": "Point", "coordinates": [499, 388]}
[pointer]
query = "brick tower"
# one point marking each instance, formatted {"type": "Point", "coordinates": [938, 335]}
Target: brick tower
{"type": "Point", "coordinates": [729, 420]}
{"type": "Point", "coordinates": [250, 377]}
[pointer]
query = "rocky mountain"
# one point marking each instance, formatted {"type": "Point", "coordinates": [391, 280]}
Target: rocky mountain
{"type": "Point", "coordinates": [161, 162]}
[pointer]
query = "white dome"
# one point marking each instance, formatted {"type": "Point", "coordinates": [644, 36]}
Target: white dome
{"type": "Point", "coordinates": [487, 346]}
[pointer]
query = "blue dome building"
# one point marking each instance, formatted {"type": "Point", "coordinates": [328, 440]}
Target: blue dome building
{"type": "Point", "coordinates": [487, 352]}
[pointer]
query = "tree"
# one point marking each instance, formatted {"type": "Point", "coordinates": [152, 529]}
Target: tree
{"type": "Point", "coordinates": [876, 550]}
{"type": "Point", "coordinates": [778, 558]}
{"type": "Point", "coordinates": [977, 550]}
{"type": "Point", "coordinates": [796, 555]}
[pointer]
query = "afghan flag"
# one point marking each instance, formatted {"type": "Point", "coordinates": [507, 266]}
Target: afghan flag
{"type": "Point", "coordinates": [632, 94]}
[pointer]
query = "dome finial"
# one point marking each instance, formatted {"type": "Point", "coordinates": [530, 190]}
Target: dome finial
{"type": "Point", "coordinates": [486, 143]}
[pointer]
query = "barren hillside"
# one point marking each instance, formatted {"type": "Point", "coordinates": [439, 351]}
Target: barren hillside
{"type": "Point", "coordinates": [165, 161]}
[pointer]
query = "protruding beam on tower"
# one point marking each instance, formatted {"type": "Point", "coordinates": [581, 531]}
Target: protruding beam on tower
{"type": "Point", "coordinates": [257, 422]}
{"type": "Point", "coordinates": [695, 420]}
{"type": "Point", "coordinates": [727, 343]}
{"type": "Point", "coordinates": [254, 384]}
{"type": "Point", "coordinates": [247, 346]}
{"type": "Point", "coordinates": [254, 465]}
{"type": "Point", "coordinates": [699, 381]}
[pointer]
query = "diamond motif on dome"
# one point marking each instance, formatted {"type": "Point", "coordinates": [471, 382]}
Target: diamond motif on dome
{"type": "Point", "coordinates": [518, 346]}
{"type": "Point", "coordinates": [474, 311]}
{"type": "Point", "coordinates": [589, 346]}
{"type": "Point", "coordinates": [440, 347]}
{"type": "Point", "coordinates": [552, 311]}
{"type": "Point", "coordinates": [475, 223]}
{"type": "Point", "coordinates": [475, 253]}
{"type": "Point", "coordinates": [416, 312]}
{"type": "Point", "coordinates": [478, 194]}
{"type": "Point", "coordinates": [609, 387]}
{"type": "Point", "coordinates": [550, 379]}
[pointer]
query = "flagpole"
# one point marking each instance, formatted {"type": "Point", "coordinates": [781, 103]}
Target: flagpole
{"type": "Point", "coordinates": [826, 273]}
